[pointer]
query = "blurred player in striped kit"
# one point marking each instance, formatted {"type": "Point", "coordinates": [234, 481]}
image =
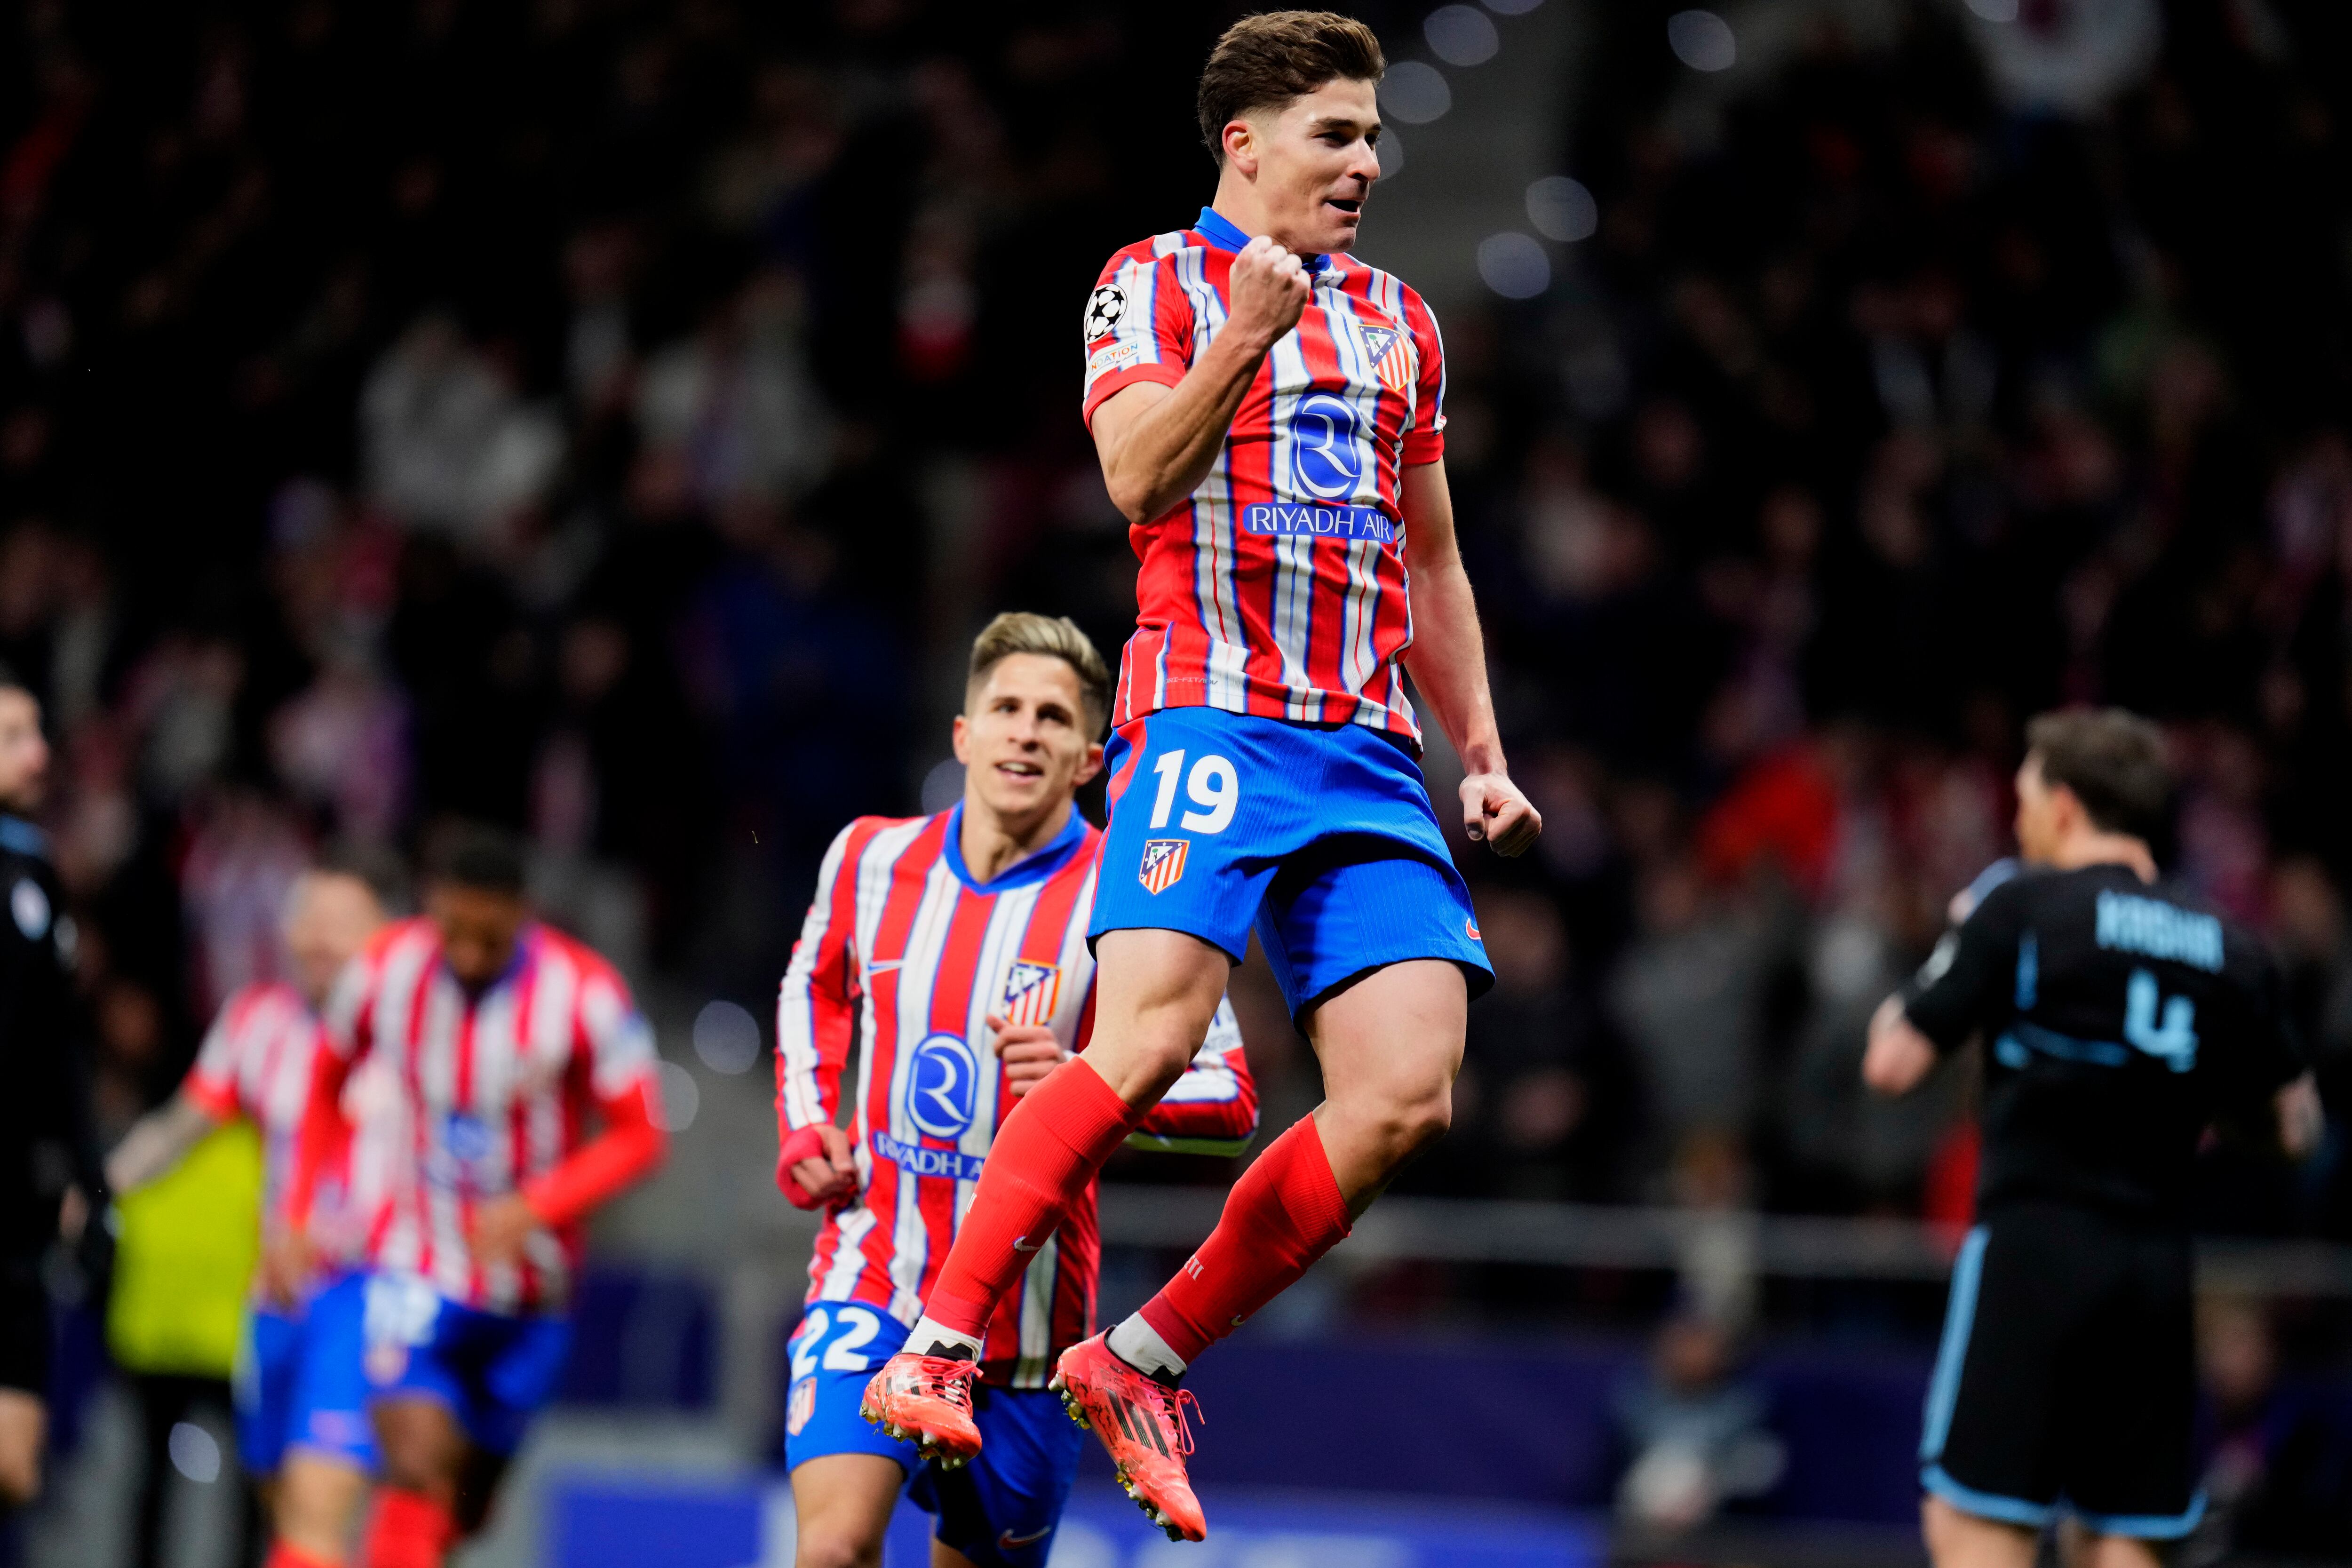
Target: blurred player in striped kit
{"type": "Point", "coordinates": [301, 1417]}
{"type": "Point", "coordinates": [506, 1040]}
{"type": "Point", "coordinates": [953, 948]}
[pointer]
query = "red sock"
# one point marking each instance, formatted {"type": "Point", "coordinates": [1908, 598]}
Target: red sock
{"type": "Point", "coordinates": [282, 1555]}
{"type": "Point", "coordinates": [1284, 1214]}
{"type": "Point", "coordinates": [407, 1530]}
{"type": "Point", "coordinates": [1047, 1151]}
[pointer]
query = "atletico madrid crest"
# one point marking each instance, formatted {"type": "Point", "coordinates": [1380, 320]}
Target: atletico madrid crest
{"type": "Point", "coordinates": [1031, 993]}
{"type": "Point", "coordinates": [1392, 356]}
{"type": "Point", "coordinates": [1163, 864]}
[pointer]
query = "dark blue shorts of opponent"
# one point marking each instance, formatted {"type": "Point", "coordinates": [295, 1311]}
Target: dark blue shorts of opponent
{"type": "Point", "coordinates": [2067, 1380]}
{"type": "Point", "coordinates": [493, 1370]}
{"type": "Point", "coordinates": [299, 1383]}
{"type": "Point", "coordinates": [999, 1510]}
{"type": "Point", "coordinates": [1321, 835]}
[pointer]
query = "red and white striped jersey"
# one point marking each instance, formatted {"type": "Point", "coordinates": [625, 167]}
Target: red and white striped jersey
{"type": "Point", "coordinates": [495, 1089]}
{"type": "Point", "coordinates": [1279, 586]}
{"type": "Point", "coordinates": [258, 1061]}
{"type": "Point", "coordinates": [903, 951]}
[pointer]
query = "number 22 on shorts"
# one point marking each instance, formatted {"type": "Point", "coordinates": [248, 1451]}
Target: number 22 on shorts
{"type": "Point", "coordinates": [851, 1328]}
{"type": "Point", "coordinates": [1214, 786]}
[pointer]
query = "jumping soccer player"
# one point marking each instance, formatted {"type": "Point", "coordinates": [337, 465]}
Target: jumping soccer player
{"type": "Point", "coordinates": [2121, 1017]}
{"type": "Point", "coordinates": [1267, 411]}
{"type": "Point", "coordinates": [302, 1427]}
{"type": "Point", "coordinates": [939, 941]}
{"type": "Point", "coordinates": [507, 1039]}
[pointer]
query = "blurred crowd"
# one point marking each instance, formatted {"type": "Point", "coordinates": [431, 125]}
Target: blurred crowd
{"type": "Point", "coordinates": [1899, 394]}
{"type": "Point", "coordinates": [609, 418]}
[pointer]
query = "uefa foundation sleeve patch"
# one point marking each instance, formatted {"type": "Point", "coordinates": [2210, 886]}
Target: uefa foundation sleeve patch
{"type": "Point", "coordinates": [1163, 864]}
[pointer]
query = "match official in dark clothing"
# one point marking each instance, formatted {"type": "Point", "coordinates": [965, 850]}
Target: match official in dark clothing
{"type": "Point", "coordinates": [45, 1134]}
{"type": "Point", "coordinates": [2120, 1017]}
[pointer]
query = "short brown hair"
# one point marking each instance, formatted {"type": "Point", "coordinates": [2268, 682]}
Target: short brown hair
{"type": "Point", "coordinates": [1048, 637]}
{"type": "Point", "coordinates": [2114, 760]}
{"type": "Point", "coordinates": [1276, 56]}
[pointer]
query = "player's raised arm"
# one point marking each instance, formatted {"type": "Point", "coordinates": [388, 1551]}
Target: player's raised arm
{"type": "Point", "coordinates": [1448, 663]}
{"type": "Point", "coordinates": [1157, 443]}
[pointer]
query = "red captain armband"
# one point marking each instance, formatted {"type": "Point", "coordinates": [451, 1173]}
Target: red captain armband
{"type": "Point", "coordinates": [802, 1144]}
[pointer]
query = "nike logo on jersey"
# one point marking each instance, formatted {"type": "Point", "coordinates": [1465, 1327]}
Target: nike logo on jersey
{"type": "Point", "coordinates": [1022, 1244]}
{"type": "Point", "coordinates": [884, 965]}
{"type": "Point", "coordinates": [1008, 1541]}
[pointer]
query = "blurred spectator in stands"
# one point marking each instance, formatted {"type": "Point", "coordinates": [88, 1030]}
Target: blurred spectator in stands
{"type": "Point", "coordinates": [180, 700]}
{"type": "Point", "coordinates": [450, 445]}
{"type": "Point", "coordinates": [1693, 1431]}
{"type": "Point", "coordinates": [1541, 1109]}
{"type": "Point", "coordinates": [243, 857]}
{"type": "Point", "coordinates": [2278, 1475]}
{"type": "Point", "coordinates": [1848, 1149]}
{"type": "Point", "coordinates": [734, 401]}
{"type": "Point", "coordinates": [1689, 994]}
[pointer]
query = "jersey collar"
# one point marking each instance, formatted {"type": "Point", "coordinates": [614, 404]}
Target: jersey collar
{"type": "Point", "coordinates": [1220, 231]}
{"type": "Point", "coordinates": [1023, 872]}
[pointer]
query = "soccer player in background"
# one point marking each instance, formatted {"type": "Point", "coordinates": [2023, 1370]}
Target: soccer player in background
{"type": "Point", "coordinates": [506, 1040]}
{"type": "Point", "coordinates": [953, 947]}
{"type": "Point", "coordinates": [1268, 414]}
{"type": "Point", "coordinates": [44, 1097]}
{"type": "Point", "coordinates": [2122, 1017]}
{"type": "Point", "coordinates": [303, 1429]}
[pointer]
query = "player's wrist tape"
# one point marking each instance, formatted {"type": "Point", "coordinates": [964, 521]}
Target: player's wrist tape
{"type": "Point", "coordinates": [803, 1143]}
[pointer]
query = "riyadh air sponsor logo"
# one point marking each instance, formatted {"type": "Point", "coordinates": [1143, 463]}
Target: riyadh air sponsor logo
{"type": "Point", "coordinates": [1365, 522]}
{"type": "Point", "coordinates": [1163, 864]}
{"type": "Point", "coordinates": [919, 1160]}
{"type": "Point", "coordinates": [1323, 457]}
{"type": "Point", "coordinates": [943, 1086]}
{"type": "Point", "coordinates": [1032, 992]}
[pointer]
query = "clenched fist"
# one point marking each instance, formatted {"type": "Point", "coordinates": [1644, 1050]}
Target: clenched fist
{"type": "Point", "coordinates": [1029, 1051]}
{"type": "Point", "coordinates": [1495, 811]}
{"type": "Point", "coordinates": [1266, 289]}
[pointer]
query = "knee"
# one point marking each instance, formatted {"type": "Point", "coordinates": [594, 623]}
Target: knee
{"type": "Point", "coordinates": [824, 1547]}
{"type": "Point", "coordinates": [1404, 1123]}
{"type": "Point", "coordinates": [313, 1511]}
{"type": "Point", "coordinates": [1141, 1060]}
{"type": "Point", "coordinates": [1171, 1049]}
{"type": "Point", "coordinates": [411, 1466]}
{"type": "Point", "coordinates": [1422, 1121]}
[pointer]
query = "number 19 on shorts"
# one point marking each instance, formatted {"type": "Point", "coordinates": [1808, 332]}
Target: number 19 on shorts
{"type": "Point", "coordinates": [1212, 786]}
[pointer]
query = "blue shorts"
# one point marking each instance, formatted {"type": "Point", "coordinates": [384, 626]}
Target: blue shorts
{"type": "Point", "coordinates": [1322, 835]}
{"type": "Point", "coordinates": [299, 1383]}
{"type": "Point", "coordinates": [493, 1370]}
{"type": "Point", "coordinates": [999, 1510]}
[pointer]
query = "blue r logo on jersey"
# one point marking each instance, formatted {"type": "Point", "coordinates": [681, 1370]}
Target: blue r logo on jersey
{"type": "Point", "coordinates": [942, 1083]}
{"type": "Point", "coordinates": [1323, 457]}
